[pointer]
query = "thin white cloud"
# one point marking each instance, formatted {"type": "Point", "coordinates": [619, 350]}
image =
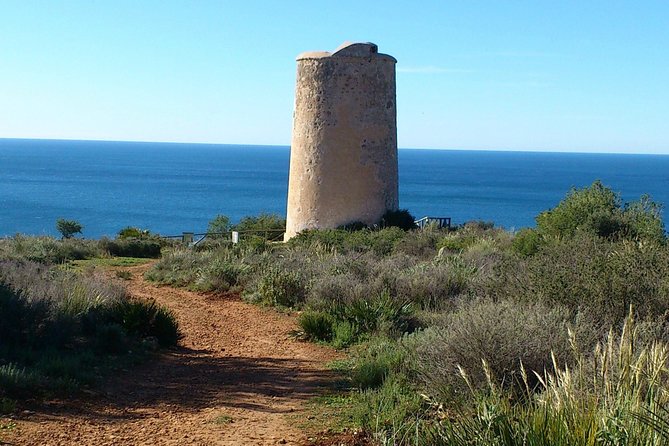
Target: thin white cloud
{"type": "Point", "coordinates": [431, 69]}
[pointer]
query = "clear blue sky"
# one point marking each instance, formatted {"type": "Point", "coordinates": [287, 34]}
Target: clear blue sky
{"type": "Point", "coordinates": [521, 75]}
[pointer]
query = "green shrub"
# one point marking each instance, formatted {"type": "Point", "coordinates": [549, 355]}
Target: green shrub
{"type": "Point", "coordinates": [18, 315]}
{"type": "Point", "coordinates": [618, 401]}
{"type": "Point", "coordinates": [344, 334]}
{"type": "Point", "coordinates": [527, 242]}
{"type": "Point", "coordinates": [146, 318]}
{"type": "Point", "coordinates": [280, 287]}
{"type": "Point", "coordinates": [178, 267]}
{"type": "Point", "coordinates": [18, 381]}
{"type": "Point", "coordinates": [125, 275]}
{"type": "Point", "coordinates": [68, 369]}
{"type": "Point", "coordinates": [135, 233]}
{"type": "Point", "coordinates": [421, 244]}
{"type": "Point", "coordinates": [353, 226]}
{"type": "Point", "coordinates": [505, 334]}
{"type": "Point", "coordinates": [7, 406]}
{"type": "Point", "coordinates": [165, 328]}
{"type": "Point", "coordinates": [327, 238]}
{"type": "Point", "coordinates": [434, 285]}
{"type": "Point", "coordinates": [643, 220]}
{"type": "Point", "coordinates": [267, 226]}
{"type": "Point", "coordinates": [381, 242]}
{"type": "Point", "coordinates": [132, 247]}
{"type": "Point", "coordinates": [380, 313]}
{"type": "Point", "coordinates": [316, 325]}
{"type": "Point", "coordinates": [401, 219]}
{"type": "Point", "coordinates": [393, 412]}
{"type": "Point", "coordinates": [592, 274]}
{"type": "Point", "coordinates": [376, 360]}
{"type": "Point", "coordinates": [111, 338]}
{"type": "Point", "coordinates": [56, 325]}
{"type": "Point", "coordinates": [470, 234]}
{"type": "Point", "coordinates": [221, 274]}
{"type": "Point", "coordinates": [47, 249]}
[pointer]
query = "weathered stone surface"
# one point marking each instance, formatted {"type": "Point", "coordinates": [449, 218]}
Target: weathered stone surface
{"type": "Point", "coordinates": [343, 160]}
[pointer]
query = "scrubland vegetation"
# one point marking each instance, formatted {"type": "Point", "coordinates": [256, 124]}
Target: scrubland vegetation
{"type": "Point", "coordinates": [63, 325]}
{"type": "Point", "coordinates": [466, 336]}
{"type": "Point", "coordinates": [477, 336]}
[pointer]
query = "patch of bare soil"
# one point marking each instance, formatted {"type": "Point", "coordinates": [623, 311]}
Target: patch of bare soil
{"type": "Point", "coordinates": [238, 378]}
{"type": "Point", "coordinates": [346, 438]}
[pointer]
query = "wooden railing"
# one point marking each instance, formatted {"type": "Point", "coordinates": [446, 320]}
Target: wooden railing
{"type": "Point", "coordinates": [273, 235]}
{"type": "Point", "coordinates": [440, 222]}
{"type": "Point", "coordinates": [195, 238]}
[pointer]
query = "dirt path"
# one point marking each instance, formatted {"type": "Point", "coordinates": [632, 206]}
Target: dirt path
{"type": "Point", "coordinates": [238, 379]}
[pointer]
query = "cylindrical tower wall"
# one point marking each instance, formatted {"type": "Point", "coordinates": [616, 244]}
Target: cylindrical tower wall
{"type": "Point", "coordinates": [343, 159]}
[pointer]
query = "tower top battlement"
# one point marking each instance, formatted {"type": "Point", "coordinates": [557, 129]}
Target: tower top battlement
{"type": "Point", "coordinates": [348, 49]}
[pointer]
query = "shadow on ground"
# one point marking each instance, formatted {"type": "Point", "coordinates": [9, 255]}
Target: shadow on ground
{"type": "Point", "coordinates": [189, 380]}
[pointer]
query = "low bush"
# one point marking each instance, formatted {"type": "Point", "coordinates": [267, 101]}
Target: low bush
{"type": "Point", "coordinates": [132, 247]}
{"type": "Point", "coordinates": [375, 360]}
{"type": "Point", "coordinates": [435, 285]}
{"type": "Point", "coordinates": [400, 219]}
{"type": "Point", "coordinates": [422, 244]}
{"type": "Point", "coordinates": [178, 267]}
{"type": "Point", "coordinates": [344, 334]}
{"type": "Point", "coordinates": [325, 238]}
{"type": "Point", "coordinates": [381, 242]}
{"type": "Point", "coordinates": [280, 287]}
{"type": "Point", "coordinates": [380, 313]}
{"type": "Point", "coordinates": [394, 412]}
{"type": "Point", "coordinates": [135, 233]}
{"type": "Point", "coordinates": [588, 273]}
{"type": "Point", "coordinates": [144, 319]}
{"type": "Point", "coordinates": [613, 396]}
{"type": "Point", "coordinates": [111, 338]}
{"type": "Point", "coordinates": [56, 324]}
{"type": "Point", "coordinates": [47, 249]}
{"type": "Point", "coordinates": [527, 242]}
{"type": "Point", "coordinates": [221, 274]}
{"type": "Point", "coordinates": [18, 381]}
{"type": "Point", "coordinates": [504, 334]}
{"type": "Point", "coordinates": [316, 325]}
{"type": "Point", "coordinates": [266, 226]}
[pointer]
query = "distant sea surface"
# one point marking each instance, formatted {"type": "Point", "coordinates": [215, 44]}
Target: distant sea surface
{"type": "Point", "coordinates": [171, 188]}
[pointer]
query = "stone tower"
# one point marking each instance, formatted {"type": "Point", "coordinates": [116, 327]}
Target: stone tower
{"type": "Point", "coordinates": [343, 156]}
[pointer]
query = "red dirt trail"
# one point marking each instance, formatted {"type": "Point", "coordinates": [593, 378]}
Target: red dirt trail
{"type": "Point", "coordinates": [238, 378]}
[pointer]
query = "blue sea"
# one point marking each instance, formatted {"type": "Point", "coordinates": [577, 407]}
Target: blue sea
{"type": "Point", "coordinates": [171, 188]}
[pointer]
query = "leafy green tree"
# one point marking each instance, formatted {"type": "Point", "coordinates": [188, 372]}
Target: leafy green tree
{"type": "Point", "coordinates": [260, 224]}
{"type": "Point", "coordinates": [68, 228]}
{"type": "Point", "coordinates": [219, 225]}
{"type": "Point", "coordinates": [594, 210]}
